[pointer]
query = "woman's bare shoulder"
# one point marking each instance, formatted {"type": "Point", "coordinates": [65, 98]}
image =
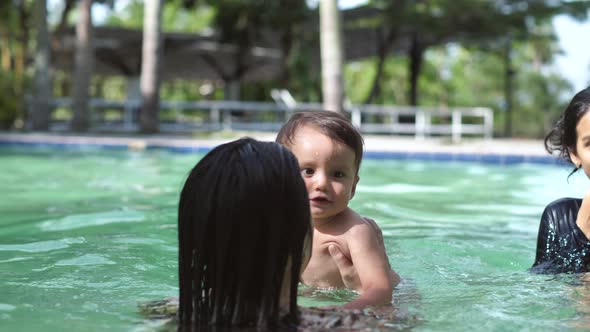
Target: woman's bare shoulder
{"type": "Point", "coordinates": [385, 318]}
{"type": "Point", "coordinates": [371, 319]}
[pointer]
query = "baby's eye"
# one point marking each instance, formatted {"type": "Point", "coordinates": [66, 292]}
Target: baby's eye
{"type": "Point", "coordinates": [307, 172]}
{"type": "Point", "coordinates": [339, 174]}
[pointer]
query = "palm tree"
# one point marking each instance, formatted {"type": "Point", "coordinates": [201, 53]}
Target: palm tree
{"type": "Point", "coordinates": [84, 62]}
{"type": "Point", "coordinates": [150, 64]}
{"type": "Point", "coordinates": [331, 51]}
{"type": "Point", "coordinates": [42, 86]}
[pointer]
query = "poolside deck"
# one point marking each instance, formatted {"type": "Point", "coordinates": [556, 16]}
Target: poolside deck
{"type": "Point", "coordinates": [498, 151]}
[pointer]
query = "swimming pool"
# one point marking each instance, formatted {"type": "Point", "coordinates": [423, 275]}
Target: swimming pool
{"type": "Point", "coordinates": [86, 234]}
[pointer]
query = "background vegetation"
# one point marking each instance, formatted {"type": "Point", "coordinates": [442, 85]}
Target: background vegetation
{"type": "Point", "coordinates": [495, 53]}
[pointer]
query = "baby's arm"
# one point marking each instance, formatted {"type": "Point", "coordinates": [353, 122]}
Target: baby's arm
{"type": "Point", "coordinates": [348, 271]}
{"type": "Point", "coordinates": [372, 266]}
{"type": "Point", "coordinates": [395, 278]}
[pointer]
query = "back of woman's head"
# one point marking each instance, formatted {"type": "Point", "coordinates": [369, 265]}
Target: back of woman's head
{"type": "Point", "coordinates": [242, 222]}
{"type": "Point", "coordinates": [563, 136]}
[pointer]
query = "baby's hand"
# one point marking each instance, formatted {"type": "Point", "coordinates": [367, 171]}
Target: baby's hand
{"type": "Point", "coordinates": [348, 272]}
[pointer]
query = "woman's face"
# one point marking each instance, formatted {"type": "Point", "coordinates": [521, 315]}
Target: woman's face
{"type": "Point", "coordinates": [581, 157]}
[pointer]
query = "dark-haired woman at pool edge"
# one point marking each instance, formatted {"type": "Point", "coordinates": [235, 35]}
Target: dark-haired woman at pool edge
{"type": "Point", "coordinates": [562, 243]}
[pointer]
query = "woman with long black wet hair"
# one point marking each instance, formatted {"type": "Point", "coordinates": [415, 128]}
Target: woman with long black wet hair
{"type": "Point", "coordinates": [244, 234]}
{"type": "Point", "coordinates": [562, 243]}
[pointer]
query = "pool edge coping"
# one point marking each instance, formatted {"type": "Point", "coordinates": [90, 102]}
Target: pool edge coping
{"type": "Point", "coordinates": [377, 150]}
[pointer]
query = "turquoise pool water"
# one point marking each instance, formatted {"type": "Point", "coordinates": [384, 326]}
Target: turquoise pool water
{"type": "Point", "coordinates": [86, 234]}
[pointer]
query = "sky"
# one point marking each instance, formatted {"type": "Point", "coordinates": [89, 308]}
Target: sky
{"type": "Point", "coordinates": [575, 62]}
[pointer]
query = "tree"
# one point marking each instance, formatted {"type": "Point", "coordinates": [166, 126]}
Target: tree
{"type": "Point", "coordinates": [150, 64]}
{"type": "Point", "coordinates": [426, 23]}
{"type": "Point", "coordinates": [40, 116]}
{"type": "Point", "coordinates": [84, 62]}
{"type": "Point", "coordinates": [388, 29]}
{"type": "Point", "coordinates": [331, 54]}
{"type": "Point", "coordinates": [14, 47]}
{"type": "Point", "coordinates": [249, 23]}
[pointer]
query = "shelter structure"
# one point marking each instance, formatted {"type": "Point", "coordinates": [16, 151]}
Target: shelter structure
{"type": "Point", "coordinates": [117, 52]}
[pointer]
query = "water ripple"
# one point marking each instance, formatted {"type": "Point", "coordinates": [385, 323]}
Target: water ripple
{"type": "Point", "coordinates": [16, 259]}
{"type": "Point", "coordinates": [89, 259]}
{"type": "Point", "coordinates": [42, 246]}
{"type": "Point", "coordinates": [6, 307]}
{"type": "Point", "coordinates": [400, 188]}
{"type": "Point", "coordinates": [512, 209]}
{"type": "Point", "coordinates": [91, 219]}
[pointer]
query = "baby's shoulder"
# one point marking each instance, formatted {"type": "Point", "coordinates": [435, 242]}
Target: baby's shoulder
{"type": "Point", "coordinates": [357, 226]}
{"type": "Point", "coordinates": [352, 220]}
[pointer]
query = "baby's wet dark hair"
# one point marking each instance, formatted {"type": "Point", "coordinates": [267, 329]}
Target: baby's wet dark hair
{"type": "Point", "coordinates": [332, 124]}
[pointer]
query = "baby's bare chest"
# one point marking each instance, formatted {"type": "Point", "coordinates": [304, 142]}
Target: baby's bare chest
{"type": "Point", "coordinates": [321, 270]}
{"type": "Point", "coordinates": [321, 258]}
{"type": "Point", "coordinates": [322, 241]}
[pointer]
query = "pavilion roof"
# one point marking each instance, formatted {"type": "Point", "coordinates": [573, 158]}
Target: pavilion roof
{"type": "Point", "coordinates": [190, 56]}
{"type": "Point", "coordinates": [118, 52]}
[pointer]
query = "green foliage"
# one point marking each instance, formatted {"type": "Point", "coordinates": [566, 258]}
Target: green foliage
{"type": "Point", "coordinates": [454, 76]}
{"type": "Point", "coordinates": [359, 77]}
{"type": "Point", "coordinates": [242, 21]}
{"type": "Point", "coordinates": [11, 104]}
{"type": "Point", "coordinates": [175, 17]}
{"type": "Point", "coordinates": [473, 21]}
{"type": "Point", "coordinates": [180, 90]}
{"type": "Point", "coordinates": [14, 44]}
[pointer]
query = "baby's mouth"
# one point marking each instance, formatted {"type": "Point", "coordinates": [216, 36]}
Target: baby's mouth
{"type": "Point", "coordinates": [320, 200]}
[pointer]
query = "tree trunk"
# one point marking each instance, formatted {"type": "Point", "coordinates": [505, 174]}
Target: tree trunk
{"type": "Point", "coordinates": [150, 67]}
{"type": "Point", "coordinates": [382, 50]}
{"type": "Point", "coordinates": [5, 51]}
{"type": "Point", "coordinates": [231, 90]}
{"type": "Point", "coordinates": [286, 47]}
{"type": "Point", "coordinates": [508, 79]}
{"type": "Point", "coordinates": [83, 67]}
{"type": "Point", "coordinates": [21, 51]}
{"type": "Point", "coordinates": [63, 21]}
{"type": "Point", "coordinates": [416, 59]}
{"type": "Point", "coordinates": [41, 115]}
{"type": "Point", "coordinates": [331, 53]}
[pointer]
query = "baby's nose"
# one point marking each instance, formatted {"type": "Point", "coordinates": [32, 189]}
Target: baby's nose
{"type": "Point", "coordinates": [320, 180]}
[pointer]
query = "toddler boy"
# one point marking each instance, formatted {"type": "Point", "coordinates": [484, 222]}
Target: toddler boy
{"type": "Point", "coordinates": [329, 150]}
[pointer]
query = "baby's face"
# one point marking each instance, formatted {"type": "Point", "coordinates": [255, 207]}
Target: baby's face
{"type": "Point", "coordinates": [328, 169]}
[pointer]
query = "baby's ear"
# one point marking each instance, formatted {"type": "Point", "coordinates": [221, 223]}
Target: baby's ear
{"type": "Point", "coordinates": [353, 191]}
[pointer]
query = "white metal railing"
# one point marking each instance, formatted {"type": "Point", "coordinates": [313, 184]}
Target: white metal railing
{"type": "Point", "coordinates": [450, 120]}
{"type": "Point", "coordinates": [262, 116]}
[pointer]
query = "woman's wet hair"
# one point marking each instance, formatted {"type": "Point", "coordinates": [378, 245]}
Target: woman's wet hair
{"type": "Point", "coordinates": [332, 124]}
{"type": "Point", "coordinates": [243, 218]}
{"type": "Point", "coordinates": [563, 136]}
